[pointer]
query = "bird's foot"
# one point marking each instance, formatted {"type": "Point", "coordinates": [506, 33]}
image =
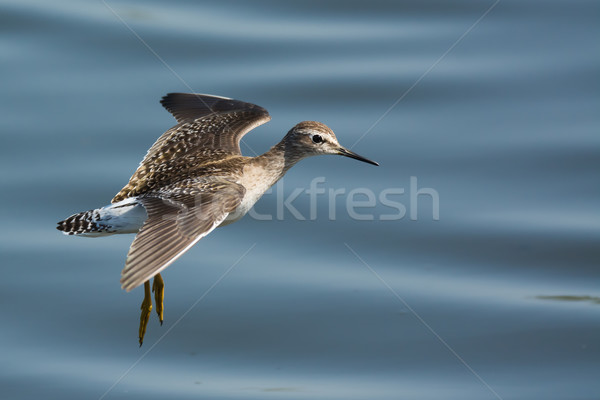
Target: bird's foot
{"type": "Point", "coordinates": [158, 287]}
{"type": "Point", "coordinates": [146, 309]}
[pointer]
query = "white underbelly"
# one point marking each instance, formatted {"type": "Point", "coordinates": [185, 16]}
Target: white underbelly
{"type": "Point", "coordinates": [247, 203]}
{"type": "Point", "coordinates": [255, 186]}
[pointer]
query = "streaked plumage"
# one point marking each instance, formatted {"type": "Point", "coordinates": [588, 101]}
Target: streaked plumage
{"type": "Point", "coordinates": [194, 179]}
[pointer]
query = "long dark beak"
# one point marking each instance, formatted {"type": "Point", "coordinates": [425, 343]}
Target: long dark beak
{"type": "Point", "coordinates": [344, 152]}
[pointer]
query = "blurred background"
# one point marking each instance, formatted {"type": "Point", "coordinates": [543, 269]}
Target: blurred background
{"type": "Point", "coordinates": [498, 299]}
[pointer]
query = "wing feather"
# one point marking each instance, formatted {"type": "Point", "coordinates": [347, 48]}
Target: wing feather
{"type": "Point", "coordinates": [210, 129]}
{"type": "Point", "coordinates": [177, 219]}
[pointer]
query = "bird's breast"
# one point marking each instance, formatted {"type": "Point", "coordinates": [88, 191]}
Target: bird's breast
{"type": "Point", "coordinates": [256, 181]}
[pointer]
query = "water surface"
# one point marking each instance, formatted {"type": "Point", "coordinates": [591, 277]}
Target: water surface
{"type": "Point", "coordinates": [496, 299]}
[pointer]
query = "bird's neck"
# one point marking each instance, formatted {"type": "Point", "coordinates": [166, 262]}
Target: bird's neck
{"type": "Point", "coordinates": [278, 160]}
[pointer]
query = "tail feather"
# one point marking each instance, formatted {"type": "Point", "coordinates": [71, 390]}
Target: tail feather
{"type": "Point", "coordinates": [126, 216]}
{"type": "Point", "coordinates": [82, 223]}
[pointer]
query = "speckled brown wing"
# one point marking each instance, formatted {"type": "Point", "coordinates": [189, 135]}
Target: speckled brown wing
{"type": "Point", "coordinates": [209, 130]}
{"type": "Point", "coordinates": [178, 217]}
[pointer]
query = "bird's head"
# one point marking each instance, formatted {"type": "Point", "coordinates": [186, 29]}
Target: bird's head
{"type": "Point", "coordinates": [311, 138]}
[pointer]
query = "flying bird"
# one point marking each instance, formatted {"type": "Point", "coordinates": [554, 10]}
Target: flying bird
{"type": "Point", "coordinates": [193, 180]}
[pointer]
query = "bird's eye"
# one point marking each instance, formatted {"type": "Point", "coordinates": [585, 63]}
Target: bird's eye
{"type": "Point", "coordinates": [317, 139]}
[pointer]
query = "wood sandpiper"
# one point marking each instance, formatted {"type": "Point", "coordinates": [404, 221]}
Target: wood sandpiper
{"type": "Point", "coordinates": [192, 180]}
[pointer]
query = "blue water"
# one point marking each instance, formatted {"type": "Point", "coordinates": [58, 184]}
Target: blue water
{"type": "Point", "coordinates": [498, 298]}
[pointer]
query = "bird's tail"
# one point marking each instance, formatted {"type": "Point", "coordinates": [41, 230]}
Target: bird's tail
{"type": "Point", "coordinates": [126, 216]}
{"type": "Point", "coordinates": [83, 223]}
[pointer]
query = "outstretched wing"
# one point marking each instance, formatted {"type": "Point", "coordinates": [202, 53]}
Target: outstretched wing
{"type": "Point", "coordinates": [210, 129]}
{"type": "Point", "coordinates": [221, 122]}
{"type": "Point", "coordinates": [178, 217]}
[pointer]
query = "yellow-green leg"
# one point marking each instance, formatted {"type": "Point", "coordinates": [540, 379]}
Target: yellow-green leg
{"type": "Point", "coordinates": [158, 287]}
{"type": "Point", "coordinates": [146, 309]}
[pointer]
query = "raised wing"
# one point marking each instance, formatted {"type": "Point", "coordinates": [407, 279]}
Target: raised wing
{"type": "Point", "coordinates": [178, 217]}
{"type": "Point", "coordinates": [210, 129]}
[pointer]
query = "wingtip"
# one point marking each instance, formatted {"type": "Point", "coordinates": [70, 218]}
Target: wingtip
{"type": "Point", "coordinates": [127, 285]}
{"type": "Point", "coordinates": [127, 288]}
{"type": "Point", "coordinates": [170, 95]}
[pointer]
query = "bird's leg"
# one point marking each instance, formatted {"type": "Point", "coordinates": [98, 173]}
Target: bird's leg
{"type": "Point", "coordinates": [146, 308]}
{"type": "Point", "coordinates": [158, 287]}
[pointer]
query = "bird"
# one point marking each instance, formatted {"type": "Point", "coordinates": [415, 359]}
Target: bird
{"type": "Point", "coordinates": [192, 180]}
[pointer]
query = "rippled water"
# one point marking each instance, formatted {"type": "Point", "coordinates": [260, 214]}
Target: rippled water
{"type": "Point", "coordinates": [499, 298]}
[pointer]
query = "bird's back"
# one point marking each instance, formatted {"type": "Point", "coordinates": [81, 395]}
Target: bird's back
{"type": "Point", "coordinates": [205, 142]}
